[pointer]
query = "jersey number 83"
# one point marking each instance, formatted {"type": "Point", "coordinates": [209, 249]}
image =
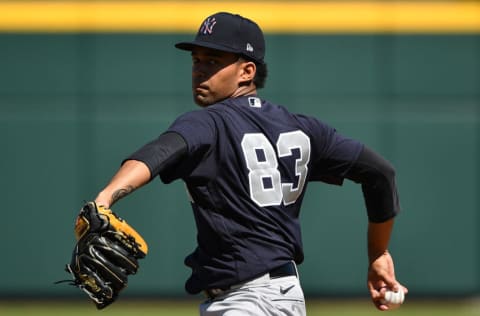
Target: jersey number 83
{"type": "Point", "coordinates": [265, 181]}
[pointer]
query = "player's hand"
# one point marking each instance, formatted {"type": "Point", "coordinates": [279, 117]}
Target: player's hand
{"type": "Point", "coordinates": [381, 277]}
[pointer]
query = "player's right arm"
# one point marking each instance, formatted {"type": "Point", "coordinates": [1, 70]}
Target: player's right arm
{"type": "Point", "coordinates": [381, 271]}
{"type": "Point", "coordinates": [377, 177]}
{"type": "Point", "coordinates": [142, 166]}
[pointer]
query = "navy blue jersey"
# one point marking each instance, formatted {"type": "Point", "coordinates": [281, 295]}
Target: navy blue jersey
{"type": "Point", "coordinates": [247, 167]}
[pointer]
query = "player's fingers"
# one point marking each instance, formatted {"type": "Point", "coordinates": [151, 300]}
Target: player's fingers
{"type": "Point", "coordinates": [377, 300]}
{"type": "Point", "coordinates": [381, 306]}
{"type": "Point", "coordinates": [405, 290]}
{"type": "Point", "coordinates": [399, 287]}
{"type": "Point", "coordinates": [391, 282]}
{"type": "Point", "coordinates": [377, 293]}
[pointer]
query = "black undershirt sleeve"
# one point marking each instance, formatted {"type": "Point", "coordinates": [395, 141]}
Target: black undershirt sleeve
{"type": "Point", "coordinates": [161, 154]}
{"type": "Point", "coordinates": [377, 177]}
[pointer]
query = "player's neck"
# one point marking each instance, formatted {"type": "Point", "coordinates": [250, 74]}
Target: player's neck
{"type": "Point", "coordinates": [245, 90]}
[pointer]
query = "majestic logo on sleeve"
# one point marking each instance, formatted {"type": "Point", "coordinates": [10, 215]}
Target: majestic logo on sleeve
{"type": "Point", "coordinates": [207, 26]}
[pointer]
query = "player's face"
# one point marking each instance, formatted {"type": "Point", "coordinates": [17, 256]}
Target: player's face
{"type": "Point", "coordinates": [216, 75]}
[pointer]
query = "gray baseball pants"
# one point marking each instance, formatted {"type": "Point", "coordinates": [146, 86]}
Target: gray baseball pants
{"type": "Point", "coordinates": [260, 297]}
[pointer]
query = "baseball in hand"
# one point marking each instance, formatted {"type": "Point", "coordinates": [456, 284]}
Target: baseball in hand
{"type": "Point", "coordinates": [393, 299]}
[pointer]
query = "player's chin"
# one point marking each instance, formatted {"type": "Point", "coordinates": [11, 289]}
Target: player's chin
{"type": "Point", "coordinates": [202, 100]}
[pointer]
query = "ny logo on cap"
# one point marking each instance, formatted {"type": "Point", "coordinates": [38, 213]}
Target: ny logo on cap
{"type": "Point", "coordinates": [207, 26]}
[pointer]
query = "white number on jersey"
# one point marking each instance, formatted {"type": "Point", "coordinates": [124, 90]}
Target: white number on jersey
{"type": "Point", "coordinates": [266, 188]}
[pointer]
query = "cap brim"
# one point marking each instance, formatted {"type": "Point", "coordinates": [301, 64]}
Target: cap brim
{"type": "Point", "coordinates": [191, 45]}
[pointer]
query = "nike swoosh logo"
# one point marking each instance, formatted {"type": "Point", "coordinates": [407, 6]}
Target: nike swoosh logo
{"type": "Point", "coordinates": [285, 290]}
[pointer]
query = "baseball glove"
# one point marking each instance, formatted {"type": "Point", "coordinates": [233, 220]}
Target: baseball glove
{"type": "Point", "coordinates": [106, 252]}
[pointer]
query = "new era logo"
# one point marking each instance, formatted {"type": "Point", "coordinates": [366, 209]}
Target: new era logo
{"type": "Point", "coordinates": [249, 47]}
{"type": "Point", "coordinates": [207, 26]}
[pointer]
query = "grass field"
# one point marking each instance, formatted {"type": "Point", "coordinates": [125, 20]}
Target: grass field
{"type": "Point", "coordinates": [188, 308]}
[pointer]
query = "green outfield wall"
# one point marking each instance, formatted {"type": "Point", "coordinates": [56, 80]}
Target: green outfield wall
{"type": "Point", "coordinates": [72, 106]}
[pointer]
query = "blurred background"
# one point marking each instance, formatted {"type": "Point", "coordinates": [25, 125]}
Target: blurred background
{"type": "Point", "coordinates": [85, 83]}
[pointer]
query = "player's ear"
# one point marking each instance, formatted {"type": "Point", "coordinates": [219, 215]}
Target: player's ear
{"type": "Point", "coordinates": [247, 71]}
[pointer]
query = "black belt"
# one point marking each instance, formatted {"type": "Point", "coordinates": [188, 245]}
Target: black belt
{"type": "Point", "coordinates": [288, 269]}
{"type": "Point", "coordinates": [285, 270]}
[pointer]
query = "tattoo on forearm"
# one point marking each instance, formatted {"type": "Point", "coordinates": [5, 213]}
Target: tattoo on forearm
{"type": "Point", "coordinates": [120, 193]}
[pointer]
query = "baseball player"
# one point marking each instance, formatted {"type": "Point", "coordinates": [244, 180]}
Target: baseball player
{"type": "Point", "coordinates": [246, 163]}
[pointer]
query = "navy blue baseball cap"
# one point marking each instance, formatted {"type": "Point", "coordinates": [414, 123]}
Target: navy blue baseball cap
{"type": "Point", "coordinates": [229, 33]}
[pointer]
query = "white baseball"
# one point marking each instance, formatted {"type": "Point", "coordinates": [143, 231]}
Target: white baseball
{"type": "Point", "coordinates": [393, 299]}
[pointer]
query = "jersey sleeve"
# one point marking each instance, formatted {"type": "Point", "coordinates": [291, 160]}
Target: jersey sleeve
{"type": "Point", "coordinates": [190, 135]}
{"type": "Point", "coordinates": [333, 153]}
{"type": "Point", "coordinates": [161, 154]}
{"type": "Point", "coordinates": [336, 157]}
{"type": "Point", "coordinates": [197, 129]}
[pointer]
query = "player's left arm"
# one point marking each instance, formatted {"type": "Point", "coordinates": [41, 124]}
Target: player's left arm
{"type": "Point", "coordinates": [132, 175]}
{"type": "Point", "coordinates": [138, 169]}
